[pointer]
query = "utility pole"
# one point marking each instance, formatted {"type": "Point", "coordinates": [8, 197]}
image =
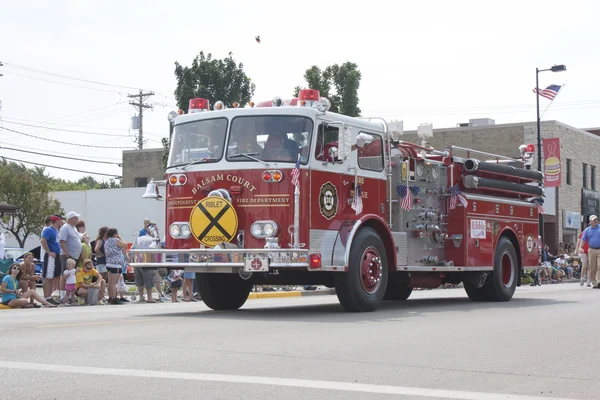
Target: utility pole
{"type": "Point", "coordinates": [139, 106]}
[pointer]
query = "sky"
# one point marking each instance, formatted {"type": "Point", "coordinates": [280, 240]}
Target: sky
{"type": "Point", "coordinates": [438, 62]}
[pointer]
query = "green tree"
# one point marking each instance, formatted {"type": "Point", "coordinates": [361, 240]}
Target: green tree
{"type": "Point", "coordinates": [30, 192]}
{"type": "Point", "coordinates": [213, 79]}
{"type": "Point", "coordinates": [338, 83]}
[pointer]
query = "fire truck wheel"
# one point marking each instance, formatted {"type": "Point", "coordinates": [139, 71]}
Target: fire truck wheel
{"type": "Point", "coordinates": [501, 284]}
{"type": "Point", "coordinates": [475, 293]}
{"type": "Point", "coordinates": [397, 292]}
{"type": "Point", "coordinates": [223, 291]}
{"type": "Point", "coordinates": [361, 289]}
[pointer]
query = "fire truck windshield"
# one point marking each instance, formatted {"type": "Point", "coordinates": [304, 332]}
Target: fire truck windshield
{"type": "Point", "coordinates": [269, 138]}
{"type": "Point", "coordinates": [198, 142]}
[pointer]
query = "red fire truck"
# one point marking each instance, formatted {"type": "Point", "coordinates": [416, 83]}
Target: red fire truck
{"type": "Point", "coordinates": [288, 192]}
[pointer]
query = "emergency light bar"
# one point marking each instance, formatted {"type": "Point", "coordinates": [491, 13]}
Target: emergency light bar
{"type": "Point", "coordinates": [198, 105]}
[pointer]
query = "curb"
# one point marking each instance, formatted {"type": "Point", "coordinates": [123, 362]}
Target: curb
{"type": "Point", "coordinates": [295, 293]}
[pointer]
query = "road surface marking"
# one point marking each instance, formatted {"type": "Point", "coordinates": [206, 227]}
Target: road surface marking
{"type": "Point", "coordinates": [272, 381]}
{"type": "Point", "coordinates": [122, 321]}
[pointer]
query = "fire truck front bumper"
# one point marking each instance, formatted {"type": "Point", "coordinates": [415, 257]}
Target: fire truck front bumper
{"type": "Point", "coordinates": [219, 260]}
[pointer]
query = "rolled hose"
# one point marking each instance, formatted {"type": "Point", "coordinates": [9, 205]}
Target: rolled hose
{"type": "Point", "coordinates": [476, 182]}
{"type": "Point", "coordinates": [472, 165]}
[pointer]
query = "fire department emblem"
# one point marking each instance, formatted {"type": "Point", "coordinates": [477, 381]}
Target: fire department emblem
{"type": "Point", "coordinates": [328, 200]}
{"type": "Point", "coordinates": [529, 243]}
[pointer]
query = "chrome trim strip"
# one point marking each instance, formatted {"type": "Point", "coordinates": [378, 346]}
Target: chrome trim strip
{"type": "Point", "coordinates": [201, 265]}
{"type": "Point", "coordinates": [215, 251]}
{"type": "Point", "coordinates": [493, 199]}
{"type": "Point", "coordinates": [443, 269]}
{"type": "Point", "coordinates": [349, 241]}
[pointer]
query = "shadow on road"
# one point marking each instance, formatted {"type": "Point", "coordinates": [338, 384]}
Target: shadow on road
{"type": "Point", "coordinates": [334, 313]}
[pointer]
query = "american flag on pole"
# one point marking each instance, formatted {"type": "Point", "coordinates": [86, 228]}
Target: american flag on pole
{"type": "Point", "coordinates": [404, 192]}
{"type": "Point", "coordinates": [296, 173]}
{"type": "Point", "coordinates": [456, 195]}
{"type": "Point", "coordinates": [550, 92]}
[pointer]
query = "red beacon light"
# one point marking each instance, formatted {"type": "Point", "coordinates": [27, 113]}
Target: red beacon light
{"type": "Point", "coordinates": [530, 148]}
{"type": "Point", "coordinates": [308, 96]}
{"type": "Point", "coordinates": [198, 105]}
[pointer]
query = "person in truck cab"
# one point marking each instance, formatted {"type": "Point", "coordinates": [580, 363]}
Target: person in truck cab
{"type": "Point", "coordinates": [280, 148]}
{"type": "Point", "coordinates": [246, 143]}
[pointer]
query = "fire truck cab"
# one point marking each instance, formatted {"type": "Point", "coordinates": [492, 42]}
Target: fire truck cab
{"type": "Point", "coordinates": [287, 192]}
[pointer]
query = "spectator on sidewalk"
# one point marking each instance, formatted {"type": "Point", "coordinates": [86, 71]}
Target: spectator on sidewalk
{"type": "Point", "coordinates": [87, 278]}
{"type": "Point", "coordinates": [14, 297]}
{"type": "Point", "coordinates": [592, 236]}
{"type": "Point", "coordinates": [100, 256]}
{"type": "Point", "coordinates": [70, 244]}
{"type": "Point", "coordinates": [114, 246]}
{"type": "Point", "coordinates": [582, 249]}
{"type": "Point", "coordinates": [28, 278]}
{"type": "Point", "coordinates": [51, 265]}
{"type": "Point", "coordinates": [47, 223]}
{"type": "Point", "coordinates": [70, 281]}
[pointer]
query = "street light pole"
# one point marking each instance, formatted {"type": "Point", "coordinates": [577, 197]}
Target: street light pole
{"type": "Point", "coordinates": [554, 68]}
{"type": "Point", "coordinates": [539, 147]}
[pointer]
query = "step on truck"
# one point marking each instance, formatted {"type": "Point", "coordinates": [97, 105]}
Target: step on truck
{"type": "Point", "coordinates": [288, 192]}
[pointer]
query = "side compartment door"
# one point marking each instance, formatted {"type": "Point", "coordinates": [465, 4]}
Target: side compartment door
{"type": "Point", "coordinates": [480, 242]}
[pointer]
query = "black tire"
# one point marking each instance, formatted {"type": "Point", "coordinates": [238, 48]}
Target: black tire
{"type": "Point", "coordinates": [352, 293]}
{"type": "Point", "coordinates": [397, 292]}
{"type": "Point", "coordinates": [223, 291]}
{"type": "Point", "coordinates": [475, 293]}
{"type": "Point", "coordinates": [500, 286]}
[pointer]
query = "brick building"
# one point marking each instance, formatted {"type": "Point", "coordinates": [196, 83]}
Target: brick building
{"type": "Point", "coordinates": [140, 166]}
{"type": "Point", "coordinates": [566, 207]}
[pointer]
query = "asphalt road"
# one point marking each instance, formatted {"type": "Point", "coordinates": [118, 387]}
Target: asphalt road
{"type": "Point", "coordinates": [437, 345]}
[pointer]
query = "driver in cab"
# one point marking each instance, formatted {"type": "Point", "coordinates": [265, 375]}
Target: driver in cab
{"type": "Point", "coordinates": [280, 148]}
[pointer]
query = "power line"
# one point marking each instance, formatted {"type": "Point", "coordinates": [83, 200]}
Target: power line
{"type": "Point", "coordinates": [61, 153]}
{"type": "Point", "coordinates": [67, 130]}
{"type": "Point", "coordinates": [67, 77]}
{"type": "Point", "coordinates": [62, 83]}
{"type": "Point", "coordinates": [63, 168]}
{"type": "Point", "coordinates": [9, 119]}
{"type": "Point", "coordinates": [67, 143]}
{"type": "Point", "coordinates": [63, 157]}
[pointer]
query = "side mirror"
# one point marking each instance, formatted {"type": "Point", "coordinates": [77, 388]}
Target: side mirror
{"type": "Point", "coordinates": [152, 191]}
{"type": "Point", "coordinates": [333, 153]}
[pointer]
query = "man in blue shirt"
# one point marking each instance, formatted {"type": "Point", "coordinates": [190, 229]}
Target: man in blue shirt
{"type": "Point", "coordinates": [51, 268]}
{"type": "Point", "coordinates": [591, 235]}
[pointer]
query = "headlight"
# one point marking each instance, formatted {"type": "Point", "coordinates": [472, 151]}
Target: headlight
{"type": "Point", "coordinates": [174, 231]}
{"type": "Point", "coordinates": [263, 229]}
{"type": "Point", "coordinates": [269, 229]}
{"type": "Point", "coordinates": [256, 229]}
{"type": "Point", "coordinates": [185, 230]}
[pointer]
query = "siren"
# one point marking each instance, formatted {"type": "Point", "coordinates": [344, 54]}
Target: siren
{"type": "Point", "coordinates": [306, 97]}
{"type": "Point", "coordinates": [152, 191]}
{"type": "Point", "coordinates": [198, 105]}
